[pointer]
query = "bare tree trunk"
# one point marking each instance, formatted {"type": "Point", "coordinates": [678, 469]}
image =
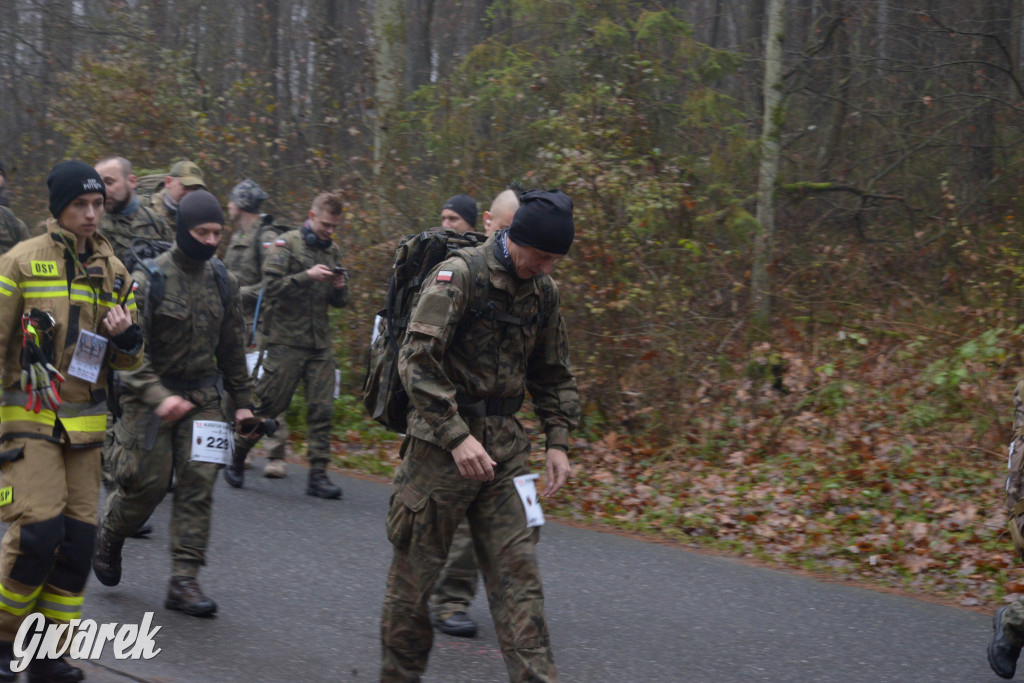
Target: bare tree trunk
{"type": "Point", "coordinates": [389, 29]}
{"type": "Point", "coordinates": [419, 56]}
{"type": "Point", "coordinates": [760, 285]}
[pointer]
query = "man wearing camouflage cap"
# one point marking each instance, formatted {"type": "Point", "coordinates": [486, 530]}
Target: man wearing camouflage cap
{"type": "Point", "coordinates": [183, 178]}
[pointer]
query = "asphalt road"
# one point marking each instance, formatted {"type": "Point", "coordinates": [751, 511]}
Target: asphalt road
{"type": "Point", "coordinates": [299, 583]}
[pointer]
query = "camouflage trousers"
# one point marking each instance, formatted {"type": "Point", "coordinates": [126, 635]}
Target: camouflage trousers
{"type": "Point", "coordinates": [429, 501]}
{"type": "Point", "coordinates": [456, 586]}
{"type": "Point", "coordinates": [141, 463]}
{"type": "Point", "coordinates": [45, 555]}
{"type": "Point", "coordinates": [283, 368]}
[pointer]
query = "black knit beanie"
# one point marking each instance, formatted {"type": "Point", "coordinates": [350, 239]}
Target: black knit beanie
{"type": "Point", "coordinates": [68, 180]}
{"type": "Point", "coordinates": [543, 221]}
{"type": "Point", "coordinates": [465, 206]}
{"type": "Point", "coordinates": [196, 208]}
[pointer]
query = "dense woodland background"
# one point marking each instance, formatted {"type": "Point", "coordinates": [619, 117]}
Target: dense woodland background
{"type": "Point", "coordinates": [869, 397]}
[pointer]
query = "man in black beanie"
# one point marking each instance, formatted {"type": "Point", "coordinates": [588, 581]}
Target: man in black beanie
{"type": "Point", "coordinates": [66, 318]}
{"type": "Point", "coordinates": [467, 368]}
{"type": "Point", "coordinates": [459, 213]}
{"type": "Point", "coordinates": [194, 337]}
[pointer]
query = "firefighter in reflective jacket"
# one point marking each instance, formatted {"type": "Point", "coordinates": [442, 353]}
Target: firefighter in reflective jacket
{"type": "Point", "coordinates": [67, 315]}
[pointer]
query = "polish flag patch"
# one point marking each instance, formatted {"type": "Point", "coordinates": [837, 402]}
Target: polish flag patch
{"type": "Point", "coordinates": [268, 245]}
{"type": "Point", "coordinates": [279, 243]}
{"type": "Point", "coordinates": [444, 276]}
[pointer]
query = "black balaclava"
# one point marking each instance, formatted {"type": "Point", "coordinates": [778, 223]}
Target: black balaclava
{"type": "Point", "coordinates": [68, 180]}
{"type": "Point", "coordinates": [544, 221]}
{"type": "Point", "coordinates": [196, 208]}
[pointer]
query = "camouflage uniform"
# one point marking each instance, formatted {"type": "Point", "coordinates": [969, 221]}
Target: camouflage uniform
{"type": "Point", "coordinates": [244, 258]}
{"type": "Point", "coordinates": [297, 340]}
{"type": "Point", "coordinates": [158, 205]}
{"type": "Point", "coordinates": [192, 340]}
{"type": "Point", "coordinates": [456, 586]}
{"type": "Point", "coordinates": [12, 230]}
{"type": "Point", "coordinates": [450, 361]}
{"type": "Point", "coordinates": [119, 228]}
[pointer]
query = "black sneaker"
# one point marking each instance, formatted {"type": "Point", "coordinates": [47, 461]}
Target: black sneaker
{"type": "Point", "coordinates": [1002, 654]}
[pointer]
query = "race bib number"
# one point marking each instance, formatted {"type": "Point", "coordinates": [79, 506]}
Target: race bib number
{"type": "Point", "coordinates": [526, 485]}
{"type": "Point", "coordinates": [90, 351]}
{"type": "Point", "coordinates": [6, 495]}
{"type": "Point", "coordinates": [211, 442]}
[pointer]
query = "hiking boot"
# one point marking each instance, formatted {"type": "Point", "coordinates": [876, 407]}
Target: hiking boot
{"type": "Point", "coordinates": [185, 595]}
{"type": "Point", "coordinates": [145, 529]}
{"type": "Point", "coordinates": [1002, 654]}
{"type": "Point", "coordinates": [456, 624]}
{"type": "Point", "coordinates": [275, 469]}
{"type": "Point", "coordinates": [106, 561]}
{"type": "Point", "coordinates": [53, 671]}
{"type": "Point", "coordinates": [6, 657]}
{"type": "Point", "coordinates": [320, 486]}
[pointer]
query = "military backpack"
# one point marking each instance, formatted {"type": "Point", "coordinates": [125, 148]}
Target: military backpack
{"type": "Point", "coordinates": [384, 397]}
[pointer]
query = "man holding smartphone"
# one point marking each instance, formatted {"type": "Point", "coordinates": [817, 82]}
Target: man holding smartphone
{"type": "Point", "coordinates": [303, 276]}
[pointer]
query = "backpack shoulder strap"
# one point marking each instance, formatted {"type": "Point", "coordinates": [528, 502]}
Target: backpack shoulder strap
{"type": "Point", "coordinates": [220, 276]}
{"type": "Point", "coordinates": [479, 278]}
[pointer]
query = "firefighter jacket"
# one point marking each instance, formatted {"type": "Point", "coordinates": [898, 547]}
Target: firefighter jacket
{"type": "Point", "coordinates": [41, 273]}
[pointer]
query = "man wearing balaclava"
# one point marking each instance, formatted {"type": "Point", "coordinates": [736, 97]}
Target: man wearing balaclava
{"type": "Point", "coordinates": [12, 228]}
{"type": "Point", "coordinates": [194, 334]}
{"type": "Point", "coordinates": [469, 356]}
{"type": "Point", "coordinates": [67, 318]}
{"type": "Point", "coordinates": [303, 278]}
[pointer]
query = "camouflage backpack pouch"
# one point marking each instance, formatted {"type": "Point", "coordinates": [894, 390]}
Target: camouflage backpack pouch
{"type": "Point", "coordinates": [1015, 480]}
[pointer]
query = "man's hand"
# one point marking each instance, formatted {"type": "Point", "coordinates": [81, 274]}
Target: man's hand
{"type": "Point", "coordinates": [242, 414]}
{"type": "Point", "coordinates": [557, 463]}
{"type": "Point", "coordinates": [340, 280]}
{"type": "Point", "coordinates": [117, 320]}
{"type": "Point", "coordinates": [174, 408]}
{"type": "Point", "coordinates": [473, 461]}
{"type": "Point", "coordinates": [319, 273]}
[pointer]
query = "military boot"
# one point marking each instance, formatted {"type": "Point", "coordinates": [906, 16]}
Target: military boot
{"type": "Point", "coordinates": [1002, 652]}
{"type": "Point", "coordinates": [320, 486]}
{"type": "Point", "coordinates": [6, 657]}
{"type": "Point", "coordinates": [185, 595]}
{"type": "Point", "coordinates": [234, 473]}
{"type": "Point", "coordinates": [53, 671]}
{"type": "Point", "coordinates": [106, 561]}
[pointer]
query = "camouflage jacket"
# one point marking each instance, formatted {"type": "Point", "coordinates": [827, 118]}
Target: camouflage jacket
{"type": "Point", "coordinates": [297, 313]}
{"type": "Point", "coordinates": [190, 337]}
{"type": "Point", "coordinates": [146, 223]}
{"type": "Point", "coordinates": [244, 258]}
{"type": "Point", "coordinates": [451, 351]}
{"type": "Point", "coordinates": [12, 230]}
{"type": "Point", "coordinates": [156, 202]}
